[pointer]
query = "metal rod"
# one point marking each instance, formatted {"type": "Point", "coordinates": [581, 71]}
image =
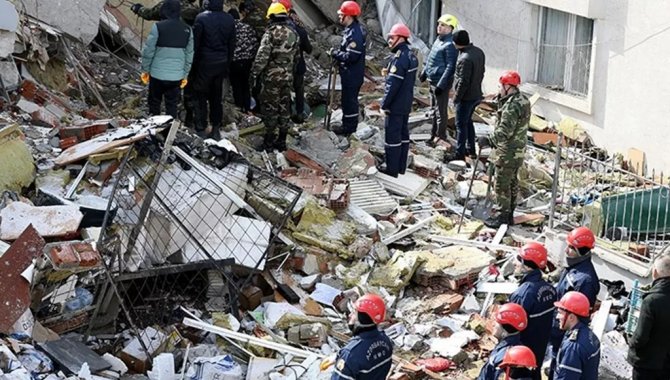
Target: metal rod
{"type": "Point", "coordinates": [554, 185]}
{"type": "Point", "coordinates": [467, 198]}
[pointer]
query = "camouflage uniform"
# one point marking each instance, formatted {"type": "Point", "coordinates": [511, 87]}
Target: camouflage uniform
{"type": "Point", "coordinates": [273, 67]}
{"type": "Point", "coordinates": [188, 12]}
{"type": "Point", "coordinates": [256, 18]}
{"type": "Point", "coordinates": [509, 139]}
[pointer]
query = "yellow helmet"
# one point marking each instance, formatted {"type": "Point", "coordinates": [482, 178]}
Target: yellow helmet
{"type": "Point", "coordinates": [275, 9]}
{"type": "Point", "coordinates": [448, 19]}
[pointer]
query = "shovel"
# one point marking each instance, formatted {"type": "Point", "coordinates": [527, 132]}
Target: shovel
{"type": "Point", "coordinates": [483, 211]}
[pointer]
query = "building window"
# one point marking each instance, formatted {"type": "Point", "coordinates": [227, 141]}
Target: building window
{"type": "Point", "coordinates": [564, 57]}
{"type": "Point", "coordinates": [421, 16]}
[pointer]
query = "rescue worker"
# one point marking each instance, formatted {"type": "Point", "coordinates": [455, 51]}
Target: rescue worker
{"type": "Point", "coordinates": [255, 17]}
{"type": "Point", "coordinates": [188, 11]}
{"type": "Point", "coordinates": [579, 354]}
{"type": "Point", "coordinates": [300, 67]}
{"type": "Point", "coordinates": [510, 321]}
{"type": "Point", "coordinates": [398, 98]}
{"type": "Point", "coordinates": [579, 276]}
{"type": "Point", "coordinates": [286, 3]}
{"type": "Point", "coordinates": [214, 38]}
{"type": "Point", "coordinates": [439, 71]}
{"type": "Point", "coordinates": [351, 60]}
{"type": "Point", "coordinates": [246, 45]}
{"type": "Point", "coordinates": [166, 59]}
{"type": "Point", "coordinates": [273, 70]}
{"type": "Point", "coordinates": [509, 139]}
{"type": "Point", "coordinates": [518, 363]}
{"type": "Point", "coordinates": [537, 298]}
{"type": "Point", "coordinates": [368, 354]}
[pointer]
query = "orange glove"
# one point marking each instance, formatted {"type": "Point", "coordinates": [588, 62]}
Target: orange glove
{"type": "Point", "coordinates": [327, 362]}
{"type": "Point", "coordinates": [183, 83]}
{"type": "Point", "coordinates": [144, 77]}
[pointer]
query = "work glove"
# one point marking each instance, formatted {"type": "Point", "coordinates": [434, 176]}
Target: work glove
{"type": "Point", "coordinates": [136, 8]}
{"type": "Point", "coordinates": [183, 83]}
{"type": "Point", "coordinates": [423, 77]}
{"type": "Point", "coordinates": [332, 52]}
{"type": "Point", "coordinates": [438, 91]}
{"type": "Point", "coordinates": [484, 142]}
{"type": "Point", "coordinates": [327, 362]}
{"type": "Point", "coordinates": [144, 77]}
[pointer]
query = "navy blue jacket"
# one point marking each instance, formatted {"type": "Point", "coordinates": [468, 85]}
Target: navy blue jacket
{"type": "Point", "coordinates": [367, 356]}
{"type": "Point", "coordinates": [581, 277]}
{"type": "Point", "coordinates": [579, 355]}
{"type": "Point", "coordinates": [399, 91]}
{"type": "Point", "coordinates": [537, 298]}
{"type": "Point", "coordinates": [351, 55]}
{"type": "Point", "coordinates": [305, 47]}
{"type": "Point", "coordinates": [214, 36]}
{"type": "Point", "coordinates": [490, 370]}
{"type": "Point", "coordinates": [441, 64]}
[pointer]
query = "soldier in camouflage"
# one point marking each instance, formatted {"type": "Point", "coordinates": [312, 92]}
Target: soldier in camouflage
{"type": "Point", "coordinates": [509, 139]}
{"type": "Point", "coordinates": [188, 11]}
{"type": "Point", "coordinates": [273, 70]}
{"type": "Point", "coordinates": [255, 17]}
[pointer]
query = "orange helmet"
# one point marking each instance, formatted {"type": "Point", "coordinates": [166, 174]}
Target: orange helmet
{"type": "Point", "coordinates": [582, 237]}
{"type": "Point", "coordinates": [519, 356]}
{"type": "Point", "coordinates": [350, 8]}
{"type": "Point", "coordinates": [534, 252]}
{"type": "Point", "coordinates": [401, 30]}
{"type": "Point", "coordinates": [372, 305]}
{"type": "Point", "coordinates": [574, 302]}
{"type": "Point", "coordinates": [512, 314]}
{"type": "Point", "coordinates": [510, 77]}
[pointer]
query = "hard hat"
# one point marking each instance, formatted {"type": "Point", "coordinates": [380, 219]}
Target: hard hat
{"type": "Point", "coordinates": [510, 77]}
{"type": "Point", "coordinates": [575, 303]}
{"type": "Point", "coordinates": [350, 8]}
{"type": "Point", "coordinates": [286, 3]}
{"type": "Point", "coordinates": [581, 237]}
{"type": "Point", "coordinates": [372, 305]}
{"type": "Point", "coordinates": [519, 356]}
{"type": "Point", "coordinates": [512, 314]}
{"type": "Point", "coordinates": [276, 9]}
{"type": "Point", "coordinates": [534, 252]}
{"type": "Point", "coordinates": [401, 30]}
{"type": "Point", "coordinates": [448, 19]}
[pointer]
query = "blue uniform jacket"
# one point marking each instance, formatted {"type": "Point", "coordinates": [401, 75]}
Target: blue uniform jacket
{"type": "Point", "coordinates": [581, 277]}
{"type": "Point", "coordinates": [399, 91]}
{"type": "Point", "coordinates": [579, 355]}
{"type": "Point", "coordinates": [490, 370]}
{"type": "Point", "coordinates": [441, 64]}
{"type": "Point", "coordinates": [367, 356]}
{"type": "Point", "coordinates": [351, 55]}
{"type": "Point", "coordinates": [537, 298]}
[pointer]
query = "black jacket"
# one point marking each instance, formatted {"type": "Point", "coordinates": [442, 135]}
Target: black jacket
{"type": "Point", "coordinates": [305, 47]}
{"type": "Point", "coordinates": [650, 344]}
{"type": "Point", "coordinates": [469, 74]}
{"type": "Point", "coordinates": [214, 36]}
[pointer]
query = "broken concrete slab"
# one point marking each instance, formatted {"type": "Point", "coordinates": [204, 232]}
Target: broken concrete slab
{"type": "Point", "coordinates": [9, 73]}
{"type": "Point", "coordinates": [9, 21]}
{"type": "Point", "coordinates": [408, 185]}
{"type": "Point", "coordinates": [16, 161]}
{"type": "Point", "coordinates": [48, 220]}
{"type": "Point", "coordinates": [79, 19]}
{"type": "Point", "coordinates": [397, 273]}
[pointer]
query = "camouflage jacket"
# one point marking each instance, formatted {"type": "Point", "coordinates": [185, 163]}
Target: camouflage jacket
{"type": "Point", "coordinates": [256, 18]}
{"type": "Point", "coordinates": [188, 12]}
{"type": "Point", "coordinates": [277, 54]}
{"type": "Point", "coordinates": [246, 42]}
{"type": "Point", "coordinates": [509, 137]}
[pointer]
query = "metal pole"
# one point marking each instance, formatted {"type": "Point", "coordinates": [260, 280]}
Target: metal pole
{"type": "Point", "coordinates": [467, 198]}
{"type": "Point", "coordinates": [554, 185]}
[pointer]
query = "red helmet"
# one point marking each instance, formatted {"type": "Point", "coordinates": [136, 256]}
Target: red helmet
{"type": "Point", "coordinates": [534, 252]}
{"type": "Point", "coordinates": [401, 30]}
{"type": "Point", "coordinates": [372, 305]}
{"type": "Point", "coordinates": [512, 314]}
{"type": "Point", "coordinates": [285, 3]}
{"type": "Point", "coordinates": [582, 237]}
{"type": "Point", "coordinates": [510, 77]}
{"type": "Point", "coordinates": [519, 356]}
{"type": "Point", "coordinates": [575, 303]}
{"type": "Point", "coordinates": [350, 8]}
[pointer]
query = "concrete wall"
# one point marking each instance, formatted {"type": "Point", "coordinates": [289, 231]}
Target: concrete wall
{"type": "Point", "coordinates": [630, 88]}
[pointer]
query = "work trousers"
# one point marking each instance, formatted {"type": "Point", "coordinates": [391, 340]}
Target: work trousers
{"type": "Point", "coordinates": [350, 108]}
{"type": "Point", "coordinates": [299, 90]}
{"type": "Point", "coordinates": [208, 91]}
{"type": "Point", "coordinates": [650, 374]}
{"type": "Point", "coordinates": [396, 145]}
{"type": "Point", "coordinates": [507, 186]}
{"type": "Point", "coordinates": [439, 106]}
{"type": "Point", "coordinates": [239, 81]}
{"type": "Point", "coordinates": [465, 128]}
{"type": "Point", "coordinates": [163, 89]}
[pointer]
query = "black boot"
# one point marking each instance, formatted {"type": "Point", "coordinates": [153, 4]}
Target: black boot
{"type": "Point", "coordinates": [497, 220]}
{"type": "Point", "coordinates": [215, 134]}
{"type": "Point", "coordinates": [268, 142]}
{"type": "Point", "coordinates": [280, 143]}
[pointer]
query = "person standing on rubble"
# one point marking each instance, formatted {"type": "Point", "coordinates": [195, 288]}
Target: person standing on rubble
{"type": "Point", "coordinates": [537, 298]}
{"type": "Point", "coordinates": [166, 59]}
{"type": "Point", "coordinates": [649, 351]}
{"type": "Point", "coordinates": [188, 11]}
{"type": "Point", "coordinates": [300, 67]}
{"type": "Point", "coordinates": [398, 99]}
{"type": "Point", "coordinates": [272, 72]}
{"type": "Point", "coordinates": [510, 320]}
{"type": "Point", "coordinates": [519, 363]}
{"type": "Point", "coordinates": [439, 71]}
{"type": "Point", "coordinates": [579, 354]}
{"type": "Point", "coordinates": [579, 276]}
{"type": "Point", "coordinates": [350, 57]}
{"type": "Point", "coordinates": [470, 68]}
{"type": "Point", "coordinates": [214, 32]}
{"type": "Point", "coordinates": [509, 139]}
{"type": "Point", "coordinates": [368, 355]}
{"type": "Point", "coordinates": [246, 46]}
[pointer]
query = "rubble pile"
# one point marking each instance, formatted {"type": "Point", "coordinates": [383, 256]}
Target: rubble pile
{"type": "Point", "coordinates": [132, 246]}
